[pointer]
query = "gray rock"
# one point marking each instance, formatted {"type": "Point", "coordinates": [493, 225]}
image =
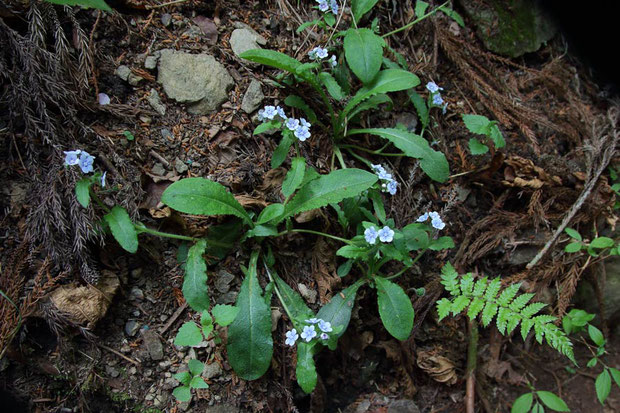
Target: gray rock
{"type": "Point", "coordinates": [136, 294]}
{"type": "Point", "coordinates": [223, 280]}
{"type": "Point", "coordinates": [166, 18]}
{"type": "Point", "coordinates": [155, 102]}
{"type": "Point", "coordinates": [153, 345]}
{"type": "Point", "coordinates": [160, 399]}
{"type": "Point", "coordinates": [123, 72]}
{"type": "Point", "coordinates": [403, 406]}
{"type": "Point", "coordinates": [511, 28]}
{"type": "Point", "coordinates": [196, 79]}
{"type": "Point", "coordinates": [253, 97]}
{"type": "Point", "coordinates": [228, 298]}
{"type": "Point", "coordinates": [133, 80]}
{"type": "Point", "coordinates": [307, 293]}
{"type": "Point", "coordinates": [212, 370]}
{"type": "Point", "coordinates": [180, 166]}
{"type": "Point", "coordinates": [150, 62]}
{"type": "Point", "coordinates": [245, 39]}
{"type": "Point", "coordinates": [111, 371]}
{"type": "Point", "coordinates": [408, 119]}
{"type": "Point", "coordinates": [131, 327]}
{"type": "Point", "coordinates": [158, 169]}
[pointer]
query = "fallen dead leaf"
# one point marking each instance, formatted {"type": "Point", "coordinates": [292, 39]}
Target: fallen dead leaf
{"type": "Point", "coordinates": [438, 367]}
{"type": "Point", "coordinates": [324, 269]}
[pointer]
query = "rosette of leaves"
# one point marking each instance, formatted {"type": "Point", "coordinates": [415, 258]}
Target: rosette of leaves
{"type": "Point", "coordinates": [483, 298]}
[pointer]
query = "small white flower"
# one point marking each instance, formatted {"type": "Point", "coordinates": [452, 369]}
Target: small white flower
{"type": "Point", "coordinates": [103, 99]}
{"type": "Point", "coordinates": [103, 179]}
{"type": "Point", "coordinates": [323, 6]}
{"type": "Point", "coordinates": [261, 115]}
{"type": "Point", "coordinates": [386, 234]}
{"type": "Point", "coordinates": [422, 217]}
{"type": "Point", "coordinates": [291, 123]}
{"type": "Point", "coordinates": [302, 133]}
{"type": "Point", "coordinates": [324, 336]}
{"type": "Point", "coordinates": [332, 61]}
{"type": "Point", "coordinates": [291, 337]}
{"type": "Point", "coordinates": [270, 112]}
{"type": "Point", "coordinates": [314, 320]}
{"type": "Point", "coordinates": [325, 326]}
{"type": "Point", "coordinates": [304, 123]}
{"type": "Point", "coordinates": [392, 187]}
{"type": "Point", "coordinates": [280, 112]}
{"type": "Point", "coordinates": [432, 87]}
{"type": "Point", "coordinates": [72, 157]}
{"type": "Point", "coordinates": [370, 235]}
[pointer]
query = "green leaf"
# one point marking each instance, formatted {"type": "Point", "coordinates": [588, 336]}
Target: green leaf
{"type": "Point", "coordinates": [188, 335]}
{"type": "Point", "coordinates": [250, 345]}
{"type": "Point", "coordinates": [523, 403]}
{"type": "Point", "coordinates": [198, 383]}
{"type": "Point", "coordinates": [395, 308]}
{"type": "Point", "coordinates": [372, 102]}
{"type": "Point", "coordinates": [122, 228]}
{"type": "Point", "coordinates": [476, 147]}
{"type": "Point", "coordinates": [273, 59]}
{"type": "Point", "coordinates": [490, 309]}
{"type": "Point", "coordinates": [363, 50]}
{"type": "Point", "coordinates": [573, 234]}
{"type": "Point", "coordinates": [262, 231]}
{"type": "Point", "coordinates": [82, 191]}
{"type": "Point", "coordinates": [279, 154]}
{"type": "Point", "coordinates": [573, 247]}
{"type": "Point", "coordinates": [195, 367]}
{"type": "Point", "coordinates": [420, 8]}
{"type": "Point", "coordinates": [496, 136]}
{"type": "Point", "coordinates": [592, 362]}
{"type": "Point", "coordinates": [224, 314]}
{"type": "Point", "coordinates": [602, 242]}
{"type": "Point", "coordinates": [269, 213]}
{"type": "Point", "coordinates": [331, 188]}
{"type": "Point", "coordinates": [333, 88]}
{"type": "Point", "coordinates": [95, 4]}
{"type": "Point", "coordinates": [306, 25]}
{"type": "Point", "coordinates": [443, 308]}
{"type": "Point", "coordinates": [200, 196]}
{"type": "Point", "coordinates": [596, 335]}
{"type": "Point", "coordinates": [603, 386]}
{"type": "Point", "coordinates": [182, 393]}
{"type": "Point", "coordinates": [454, 15]}
{"type": "Point", "coordinates": [344, 268]}
{"type": "Point", "coordinates": [508, 294]}
{"type": "Point", "coordinates": [389, 80]}
{"type": "Point", "coordinates": [338, 310]}
{"type": "Point", "coordinates": [477, 124]}
{"type": "Point", "coordinates": [294, 177]}
{"type": "Point", "coordinates": [538, 408]}
{"type": "Point", "coordinates": [552, 401]}
{"type": "Point", "coordinates": [615, 373]}
{"type": "Point", "coordinates": [351, 252]}
{"type": "Point", "coordinates": [296, 305]}
{"type": "Point", "coordinates": [267, 126]}
{"type": "Point", "coordinates": [305, 370]}
{"type": "Point", "coordinates": [195, 280]}
{"type": "Point", "coordinates": [330, 19]}
{"type": "Point", "coordinates": [221, 239]}
{"type": "Point", "coordinates": [475, 308]}
{"type": "Point", "coordinates": [361, 7]}
{"type": "Point", "coordinates": [377, 203]}
{"type": "Point", "coordinates": [432, 162]}
{"type": "Point", "coordinates": [184, 377]}
{"type": "Point", "coordinates": [418, 101]}
{"type": "Point", "coordinates": [295, 101]}
{"type": "Point", "coordinates": [442, 243]}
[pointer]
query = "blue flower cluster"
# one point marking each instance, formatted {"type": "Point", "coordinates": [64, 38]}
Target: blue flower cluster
{"type": "Point", "coordinates": [81, 158]}
{"type": "Point", "coordinates": [319, 53]}
{"type": "Point", "coordinates": [388, 184]}
{"type": "Point", "coordinates": [324, 6]}
{"type": "Point", "coordinates": [436, 99]}
{"type": "Point", "coordinates": [436, 221]}
{"type": "Point", "coordinates": [310, 332]}
{"type": "Point", "coordinates": [385, 234]}
{"type": "Point", "coordinates": [300, 127]}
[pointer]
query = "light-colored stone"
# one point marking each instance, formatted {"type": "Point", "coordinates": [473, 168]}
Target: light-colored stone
{"type": "Point", "coordinates": [253, 97]}
{"type": "Point", "coordinates": [156, 103]}
{"type": "Point", "coordinates": [150, 62]}
{"type": "Point", "coordinates": [245, 39]}
{"type": "Point", "coordinates": [123, 72]}
{"type": "Point", "coordinates": [196, 79]}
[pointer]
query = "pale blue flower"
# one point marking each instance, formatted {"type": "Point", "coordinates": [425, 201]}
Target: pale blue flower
{"type": "Point", "coordinates": [325, 326]}
{"type": "Point", "coordinates": [371, 235]}
{"type": "Point", "coordinates": [436, 221]}
{"type": "Point", "coordinates": [324, 336]}
{"type": "Point", "coordinates": [103, 99]}
{"type": "Point", "coordinates": [422, 217]}
{"type": "Point", "coordinates": [443, 110]}
{"type": "Point", "coordinates": [386, 234]}
{"type": "Point", "coordinates": [72, 157]}
{"type": "Point", "coordinates": [318, 53]}
{"type": "Point", "coordinates": [392, 187]}
{"type": "Point", "coordinates": [270, 112]}
{"type": "Point", "coordinates": [323, 6]}
{"type": "Point", "coordinates": [291, 337]}
{"type": "Point", "coordinates": [377, 168]}
{"type": "Point", "coordinates": [86, 162]}
{"type": "Point", "coordinates": [304, 123]}
{"type": "Point", "coordinates": [103, 179]}
{"type": "Point", "coordinates": [437, 100]}
{"type": "Point", "coordinates": [332, 61]}
{"type": "Point", "coordinates": [291, 123]}
{"type": "Point", "coordinates": [308, 334]}
{"type": "Point", "coordinates": [280, 112]}
{"type": "Point", "coordinates": [384, 175]}
{"type": "Point", "coordinates": [314, 320]}
{"type": "Point", "coordinates": [334, 5]}
{"type": "Point", "coordinates": [432, 87]}
{"type": "Point", "coordinates": [302, 133]}
{"type": "Point", "coordinates": [261, 115]}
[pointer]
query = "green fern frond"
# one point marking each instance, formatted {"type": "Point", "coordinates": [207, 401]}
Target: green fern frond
{"type": "Point", "coordinates": [509, 309]}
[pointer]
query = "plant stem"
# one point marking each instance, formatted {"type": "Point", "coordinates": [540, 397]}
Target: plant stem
{"type": "Point", "coordinates": [418, 20]}
{"type": "Point", "coordinates": [275, 287]}
{"type": "Point", "coordinates": [373, 152]}
{"type": "Point", "coordinates": [339, 156]}
{"type": "Point", "coordinates": [140, 227]}
{"type": "Point", "coordinates": [309, 231]}
{"type": "Point", "coordinates": [94, 196]}
{"type": "Point", "coordinates": [470, 374]}
{"type": "Point", "coordinates": [401, 272]}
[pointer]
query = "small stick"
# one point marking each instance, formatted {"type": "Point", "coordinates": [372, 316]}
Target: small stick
{"type": "Point", "coordinates": [111, 350]}
{"type": "Point", "coordinates": [173, 318]}
{"type": "Point", "coordinates": [170, 3]}
{"type": "Point", "coordinates": [159, 158]}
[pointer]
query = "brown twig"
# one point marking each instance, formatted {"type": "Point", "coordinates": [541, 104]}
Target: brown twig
{"type": "Point", "coordinates": [121, 355]}
{"type": "Point", "coordinates": [173, 318]}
